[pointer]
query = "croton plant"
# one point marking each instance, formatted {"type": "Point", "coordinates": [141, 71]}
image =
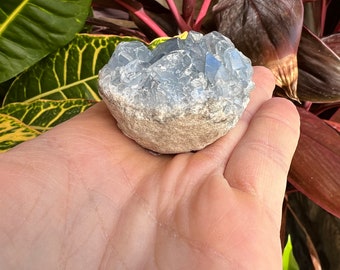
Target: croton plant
{"type": "Point", "coordinates": [51, 52]}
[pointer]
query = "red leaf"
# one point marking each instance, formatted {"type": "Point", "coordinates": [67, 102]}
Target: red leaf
{"type": "Point", "coordinates": [333, 124]}
{"type": "Point", "coordinates": [315, 169]}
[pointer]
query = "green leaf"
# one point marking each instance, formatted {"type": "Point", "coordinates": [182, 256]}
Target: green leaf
{"type": "Point", "coordinates": [44, 114]}
{"type": "Point", "coordinates": [289, 262]}
{"type": "Point", "coordinates": [31, 29]}
{"type": "Point", "coordinates": [70, 72]}
{"type": "Point", "coordinates": [13, 132]}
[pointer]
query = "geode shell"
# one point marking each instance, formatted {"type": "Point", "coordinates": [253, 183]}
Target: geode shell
{"type": "Point", "coordinates": [179, 97]}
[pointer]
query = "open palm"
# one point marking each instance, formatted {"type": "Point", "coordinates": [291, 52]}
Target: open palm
{"type": "Point", "coordinates": [84, 196]}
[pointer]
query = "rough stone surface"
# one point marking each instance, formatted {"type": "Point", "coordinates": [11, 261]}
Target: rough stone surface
{"type": "Point", "coordinates": [180, 97]}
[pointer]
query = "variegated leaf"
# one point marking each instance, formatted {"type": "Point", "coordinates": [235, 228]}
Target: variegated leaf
{"type": "Point", "coordinates": [70, 72]}
{"type": "Point", "coordinates": [13, 132]}
{"type": "Point", "coordinates": [44, 114]}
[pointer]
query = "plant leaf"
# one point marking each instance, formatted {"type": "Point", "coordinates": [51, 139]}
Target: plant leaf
{"type": "Point", "coordinates": [289, 262]}
{"type": "Point", "coordinates": [44, 114]}
{"type": "Point", "coordinates": [268, 32]}
{"type": "Point", "coordinates": [160, 40]}
{"type": "Point", "coordinates": [315, 167]}
{"type": "Point", "coordinates": [13, 132]}
{"type": "Point", "coordinates": [319, 70]}
{"type": "Point", "coordinates": [70, 72]}
{"type": "Point", "coordinates": [315, 234]}
{"type": "Point", "coordinates": [188, 10]}
{"type": "Point", "coordinates": [137, 9]}
{"type": "Point", "coordinates": [304, 249]}
{"type": "Point", "coordinates": [336, 116]}
{"type": "Point", "coordinates": [31, 29]}
{"type": "Point", "coordinates": [333, 42]}
{"type": "Point", "coordinates": [314, 16]}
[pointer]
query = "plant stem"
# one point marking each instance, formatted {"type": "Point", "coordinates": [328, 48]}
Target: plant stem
{"type": "Point", "coordinates": [137, 9]}
{"type": "Point", "coordinates": [183, 26]}
{"type": "Point", "coordinates": [203, 11]}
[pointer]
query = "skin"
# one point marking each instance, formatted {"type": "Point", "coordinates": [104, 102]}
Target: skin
{"type": "Point", "coordinates": [84, 196]}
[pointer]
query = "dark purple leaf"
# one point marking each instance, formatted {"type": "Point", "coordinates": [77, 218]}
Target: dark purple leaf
{"type": "Point", "coordinates": [333, 42]}
{"type": "Point", "coordinates": [315, 234]}
{"type": "Point", "coordinates": [319, 70]}
{"type": "Point", "coordinates": [334, 121]}
{"type": "Point", "coordinates": [154, 6]}
{"type": "Point", "coordinates": [165, 21]}
{"type": "Point", "coordinates": [188, 10]}
{"type": "Point", "coordinates": [268, 32]}
{"type": "Point", "coordinates": [102, 26]}
{"type": "Point", "coordinates": [202, 14]}
{"type": "Point", "coordinates": [314, 16]}
{"type": "Point", "coordinates": [336, 116]}
{"type": "Point", "coordinates": [137, 9]}
{"type": "Point", "coordinates": [160, 15]}
{"type": "Point", "coordinates": [183, 26]}
{"type": "Point", "coordinates": [332, 23]}
{"type": "Point", "coordinates": [104, 4]}
{"type": "Point", "coordinates": [315, 169]}
{"type": "Point", "coordinates": [324, 110]}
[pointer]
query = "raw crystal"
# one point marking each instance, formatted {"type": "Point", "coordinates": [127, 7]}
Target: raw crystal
{"type": "Point", "coordinates": [179, 97]}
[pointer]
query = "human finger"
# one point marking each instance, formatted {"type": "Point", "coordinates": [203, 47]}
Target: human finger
{"type": "Point", "coordinates": [260, 162]}
{"type": "Point", "coordinates": [218, 152]}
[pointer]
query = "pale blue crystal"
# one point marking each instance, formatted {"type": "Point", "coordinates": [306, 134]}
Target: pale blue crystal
{"type": "Point", "coordinates": [128, 51]}
{"type": "Point", "coordinates": [164, 49]}
{"type": "Point", "coordinates": [179, 97]}
{"type": "Point", "coordinates": [179, 73]}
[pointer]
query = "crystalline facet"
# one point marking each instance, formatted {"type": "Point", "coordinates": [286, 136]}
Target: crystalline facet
{"type": "Point", "coordinates": [182, 95]}
{"type": "Point", "coordinates": [212, 65]}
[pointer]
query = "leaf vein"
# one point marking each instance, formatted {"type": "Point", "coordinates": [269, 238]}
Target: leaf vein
{"type": "Point", "coordinates": [62, 88]}
{"type": "Point", "coordinates": [12, 17]}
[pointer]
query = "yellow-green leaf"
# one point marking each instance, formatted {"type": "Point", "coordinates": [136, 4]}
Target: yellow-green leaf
{"type": "Point", "coordinates": [70, 72]}
{"type": "Point", "coordinates": [13, 132]}
{"type": "Point", "coordinates": [44, 114]}
{"type": "Point", "coordinates": [160, 40]}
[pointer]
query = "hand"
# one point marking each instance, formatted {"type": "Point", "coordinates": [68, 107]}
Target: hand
{"type": "Point", "coordinates": [84, 196]}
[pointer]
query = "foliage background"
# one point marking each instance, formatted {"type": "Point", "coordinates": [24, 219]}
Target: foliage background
{"type": "Point", "coordinates": [51, 52]}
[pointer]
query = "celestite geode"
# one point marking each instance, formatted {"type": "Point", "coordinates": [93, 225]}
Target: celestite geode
{"type": "Point", "coordinates": [179, 97]}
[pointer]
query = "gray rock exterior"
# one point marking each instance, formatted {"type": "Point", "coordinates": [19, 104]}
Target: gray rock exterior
{"type": "Point", "coordinates": [180, 97]}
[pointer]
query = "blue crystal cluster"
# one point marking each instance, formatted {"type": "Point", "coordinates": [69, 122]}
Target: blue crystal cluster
{"type": "Point", "coordinates": [180, 71]}
{"type": "Point", "coordinates": [184, 87]}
